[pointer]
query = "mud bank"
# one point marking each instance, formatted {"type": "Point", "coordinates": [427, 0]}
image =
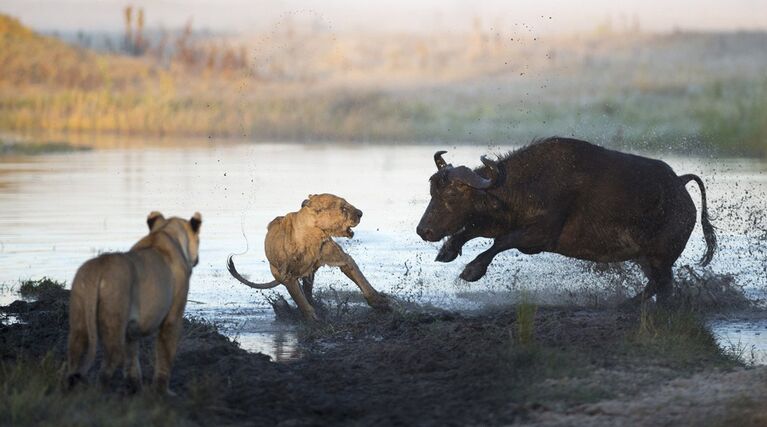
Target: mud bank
{"type": "Point", "coordinates": [416, 366]}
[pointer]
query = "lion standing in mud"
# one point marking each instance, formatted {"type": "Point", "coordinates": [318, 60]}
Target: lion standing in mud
{"type": "Point", "coordinates": [121, 297]}
{"type": "Point", "coordinates": [299, 243]}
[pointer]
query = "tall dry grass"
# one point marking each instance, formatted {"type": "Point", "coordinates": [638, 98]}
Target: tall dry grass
{"type": "Point", "coordinates": [698, 93]}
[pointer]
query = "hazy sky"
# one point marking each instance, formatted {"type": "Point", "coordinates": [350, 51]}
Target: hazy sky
{"type": "Point", "coordinates": [396, 15]}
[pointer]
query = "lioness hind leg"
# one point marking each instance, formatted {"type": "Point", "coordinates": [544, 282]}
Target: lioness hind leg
{"type": "Point", "coordinates": [165, 353]}
{"type": "Point", "coordinates": [303, 304]}
{"type": "Point", "coordinates": [78, 362]}
{"type": "Point", "coordinates": [132, 364]}
{"type": "Point", "coordinates": [114, 354]}
{"type": "Point", "coordinates": [307, 284]}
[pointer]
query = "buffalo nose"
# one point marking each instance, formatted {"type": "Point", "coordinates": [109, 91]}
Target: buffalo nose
{"type": "Point", "coordinates": [425, 233]}
{"type": "Point", "coordinates": [359, 213]}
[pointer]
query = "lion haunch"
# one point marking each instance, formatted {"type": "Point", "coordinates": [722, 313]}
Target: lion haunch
{"type": "Point", "coordinates": [299, 243]}
{"type": "Point", "coordinates": [120, 297]}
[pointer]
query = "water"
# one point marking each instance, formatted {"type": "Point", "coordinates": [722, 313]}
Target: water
{"type": "Point", "coordinates": [56, 211]}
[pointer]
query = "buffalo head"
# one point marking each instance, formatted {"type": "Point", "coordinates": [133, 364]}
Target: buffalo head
{"type": "Point", "coordinates": [456, 193]}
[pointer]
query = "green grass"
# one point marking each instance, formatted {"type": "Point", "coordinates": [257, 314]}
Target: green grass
{"type": "Point", "coordinates": [525, 324]}
{"type": "Point", "coordinates": [678, 338]}
{"type": "Point", "coordinates": [37, 148]}
{"type": "Point", "coordinates": [31, 395]}
{"type": "Point", "coordinates": [734, 118]}
{"type": "Point", "coordinates": [40, 287]}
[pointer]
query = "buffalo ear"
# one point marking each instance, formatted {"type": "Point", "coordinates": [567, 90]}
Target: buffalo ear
{"type": "Point", "coordinates": [152, 218]}
{"type": "Point", "coordinates": [196, 222]}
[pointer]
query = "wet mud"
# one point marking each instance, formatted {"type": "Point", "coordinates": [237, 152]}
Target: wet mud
{"type": "Point", "coordinates": [521, 364]}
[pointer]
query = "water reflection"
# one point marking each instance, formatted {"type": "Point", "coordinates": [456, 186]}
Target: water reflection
{"type": "Point", "coordinates": [281, 345]}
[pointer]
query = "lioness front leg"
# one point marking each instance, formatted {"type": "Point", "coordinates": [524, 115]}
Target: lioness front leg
{"type": "Point", "coordinates": [333, 255]}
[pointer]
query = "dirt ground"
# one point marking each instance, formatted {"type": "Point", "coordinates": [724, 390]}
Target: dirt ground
{"type": "Point", "coordinates": [529, 365]}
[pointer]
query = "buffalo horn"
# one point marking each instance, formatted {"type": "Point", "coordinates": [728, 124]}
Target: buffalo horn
{"type": "Point", "coordinates": [492, 165]}
{"type": "Point", "coordinates": [439, 161]}
{"type": "Point", "coordinates": [470, 178]}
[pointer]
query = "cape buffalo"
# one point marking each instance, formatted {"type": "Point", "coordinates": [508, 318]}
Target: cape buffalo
{"type": "Point", "coordinates": [569, 197]}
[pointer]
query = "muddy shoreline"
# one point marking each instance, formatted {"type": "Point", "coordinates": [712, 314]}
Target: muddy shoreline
{"type": "Point", "coordinates": [417, 366]}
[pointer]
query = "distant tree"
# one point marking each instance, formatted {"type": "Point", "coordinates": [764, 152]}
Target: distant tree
{"type": "Point", "coordinates": [139, 45]}
{"type": "Point", "coordinates": [128, 13]}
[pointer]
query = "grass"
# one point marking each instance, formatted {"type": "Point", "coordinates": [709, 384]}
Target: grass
{"type": "Point", "coordinates": [735, 117]}
{"type": "Point", "coordinates": [37, 148]}
{"type": "Point", "coordinates": [525, 324]}
{"type": "Point", "coordinates": [680, 338]}
{"type": "Point", "coordinates": [31, 395]}
{"type": "Point", "coordinates": [699, 108]}
{"type": "Point", "coordinates": [40, 287]}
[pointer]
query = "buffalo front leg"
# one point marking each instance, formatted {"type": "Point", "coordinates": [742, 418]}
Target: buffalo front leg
{"type": "Point", "coordinates": [452, 247]}
{"type": "Point", "coordinates": [529, 240]}
{"type": "Point", "coordinates": [333, 255]}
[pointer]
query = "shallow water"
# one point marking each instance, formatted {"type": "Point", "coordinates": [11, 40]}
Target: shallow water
{"type": "Point", "coordinates": [58, 210]}
{"type": "Point", "coordinates": [746, 338]}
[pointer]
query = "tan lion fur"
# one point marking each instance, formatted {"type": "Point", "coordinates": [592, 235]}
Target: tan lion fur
{"type": "Point", "coordinates": [300, 242]}
{"type": "Point", "coordinates": [121, 297]}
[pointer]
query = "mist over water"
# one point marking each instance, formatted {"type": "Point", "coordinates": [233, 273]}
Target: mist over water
{"type": "Point", "coordinates": [57, 211]}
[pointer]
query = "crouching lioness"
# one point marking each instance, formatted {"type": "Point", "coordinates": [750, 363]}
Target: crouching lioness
{"type": "Point", "coordinates": [121, 297]}
{"type": "Point", "coordinates": [299, 243]}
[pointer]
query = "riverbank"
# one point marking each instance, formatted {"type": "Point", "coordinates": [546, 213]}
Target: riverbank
{"type": "Point", "coordinates": [518, 364]}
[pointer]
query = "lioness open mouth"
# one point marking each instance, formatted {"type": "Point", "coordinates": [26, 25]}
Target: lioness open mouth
{"type": "Point", "coordinates": [349, 232]}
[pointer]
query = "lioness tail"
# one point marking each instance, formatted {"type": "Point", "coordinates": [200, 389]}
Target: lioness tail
{"type": "Point", "coordinates": [238, 276]}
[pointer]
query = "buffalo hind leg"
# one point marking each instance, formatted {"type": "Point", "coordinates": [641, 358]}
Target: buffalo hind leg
{"type": "Point", "coordinates": [664, 279]}
{"type": "Point", "coordinates": [659, 282]}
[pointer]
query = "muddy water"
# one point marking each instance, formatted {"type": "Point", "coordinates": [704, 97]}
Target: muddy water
{"type": "Point", "coordinates": [58, 210]}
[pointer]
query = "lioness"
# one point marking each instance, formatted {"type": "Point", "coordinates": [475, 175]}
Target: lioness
{"type": "Point", "coordinates": [121, 297]}
{"type": "Point", "coordinates": [299, 243]}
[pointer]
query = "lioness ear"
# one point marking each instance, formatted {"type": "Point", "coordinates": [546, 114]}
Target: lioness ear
{"type": "Point", "coordinates": [196, 222]}
{"type": "Point", "coordinates": [305, 203]}
{"type": "Point", "coordinates": [152, 218]}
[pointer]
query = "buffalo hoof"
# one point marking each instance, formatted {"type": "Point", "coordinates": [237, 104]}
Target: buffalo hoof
{"type": "Point", "coordinates": [473, 272]}
{"type": "Point", "coordinates": [447, 254]}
